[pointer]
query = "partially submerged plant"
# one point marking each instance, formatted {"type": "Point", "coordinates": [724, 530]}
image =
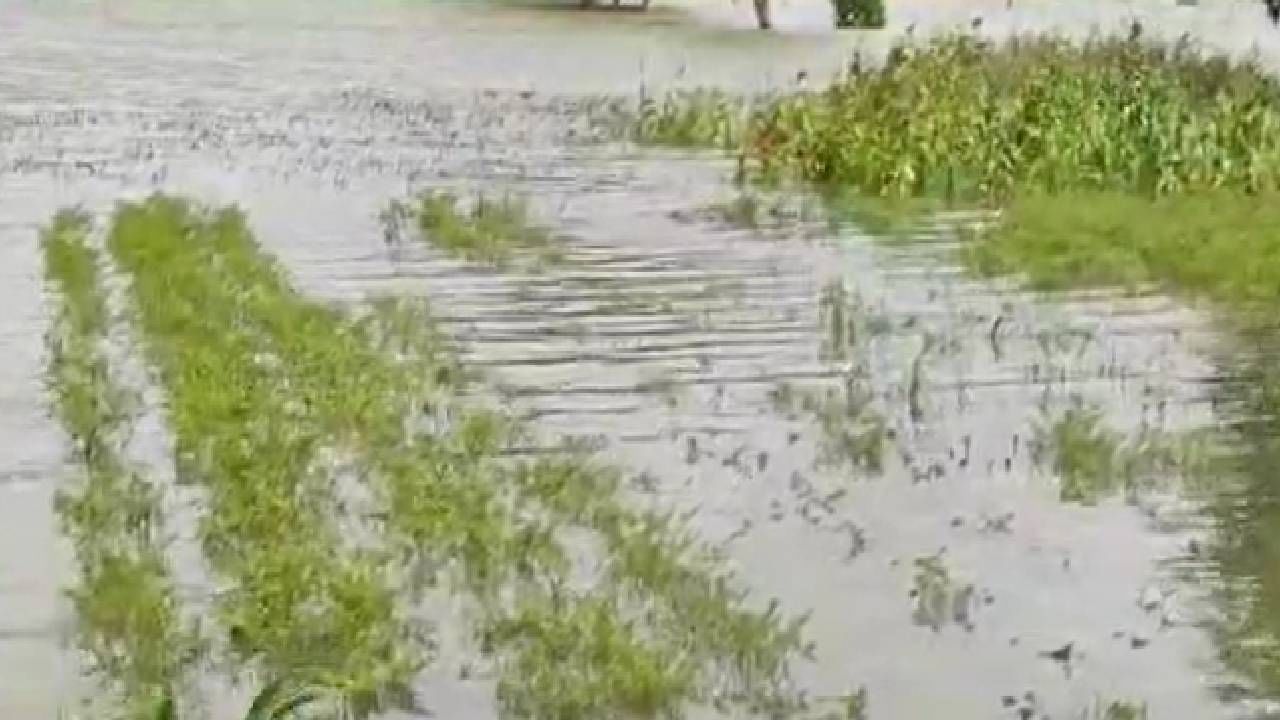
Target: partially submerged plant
{"type": "Point", "coordinates": [276, 701]}
{"type": "Point", "coordinates": [1190, 244]}
{"type": "Point", "coordinates": [1092, 461]}
{"type": "Point", "coordinates": [297, 604]}
{"type": "Point", "coordinates": [697, 118]}
{"type": "Point", "coordinates": [491, 230]}
{"type": "Point", "coordinates": [1085, 455]}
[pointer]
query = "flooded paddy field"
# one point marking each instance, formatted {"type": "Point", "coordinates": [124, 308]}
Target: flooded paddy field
{"type": "Point", "coordinates": [982, 499]}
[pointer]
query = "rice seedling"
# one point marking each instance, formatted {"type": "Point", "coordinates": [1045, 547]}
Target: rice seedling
{"type": "Point", "coordinates": [1084, 455]}
{"type": "Point", "coordinates": [931, 591]}
{"type": "Point", "coordinates": [127, 615]}
{"type": "Point", "coordinates": [853, 430]}
{"type": "Point", "coordinates": [451, 508]}
{"type": "Point", "coordinates": [491, 231]}
{"type": "Point", "coordinates": [618, 672]}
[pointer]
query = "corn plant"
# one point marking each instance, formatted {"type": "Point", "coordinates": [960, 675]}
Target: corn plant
{"type": "Point", "coordinates": [962, 118]}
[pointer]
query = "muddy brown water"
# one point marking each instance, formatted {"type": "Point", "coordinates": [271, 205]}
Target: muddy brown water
{"type": "Point", "coordinates": [664, 339]}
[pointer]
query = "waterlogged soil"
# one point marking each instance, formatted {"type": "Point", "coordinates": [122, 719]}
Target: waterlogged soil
{"type": "Point", "coordinates": [939, 565]}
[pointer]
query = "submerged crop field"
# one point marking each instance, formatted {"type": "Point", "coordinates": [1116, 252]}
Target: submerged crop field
{"type": "Point", "coordinates": [504, 363]}
{"type": "Point", "coordinates": [343, 483]}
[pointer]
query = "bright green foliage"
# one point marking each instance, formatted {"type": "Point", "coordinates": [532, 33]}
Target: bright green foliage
{"type": "Point", "coordinates": [1221, 246]}
{"type": "Point", "coordinates": [615, 673]}
{"type": "Point", "coordinates": [1092, 461]}
{"type": "Point", "coordinates": [127, 615]}
{"type": "Point", "coordinates": [959, 117]}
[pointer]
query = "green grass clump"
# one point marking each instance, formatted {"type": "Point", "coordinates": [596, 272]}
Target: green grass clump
{"type": "Point", "coordinates": [1092, 461]}
{"type": "Point", "coordinates": [127, 614]}
{"type": "Point", "coordinates": [1085, 455]}
{"type": "Point", "coordinates": [690, 605]}
{"type": "Point", "coordinates": [1221, 246]}
{"type": "Point", "coordinates": [1119, 710]}
{"type": "Point", "coordinates": [967, 119]}
{"type": "Point", "coordinates": [490, 231]}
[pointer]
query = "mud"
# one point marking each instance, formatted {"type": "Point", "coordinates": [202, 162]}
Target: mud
{"type": "Point", "coordinates": [950, 581]}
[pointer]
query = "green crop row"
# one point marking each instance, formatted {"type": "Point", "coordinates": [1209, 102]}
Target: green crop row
{"type": "Point", "coordinates": [300, 606]}
{"type": "Point", "coordinates": [127, 613]}
{"type": "Point", "coordinates": [661, 627]}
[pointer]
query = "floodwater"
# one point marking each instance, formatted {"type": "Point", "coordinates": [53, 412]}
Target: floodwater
{"type": "Point", "coordinates": [668, 339]}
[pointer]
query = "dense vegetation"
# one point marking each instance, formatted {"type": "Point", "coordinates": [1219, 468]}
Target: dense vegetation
{"type": "Point", "coordinates": [966, 119]}
{"type": "Point", "coordinates": [1109, 163]}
